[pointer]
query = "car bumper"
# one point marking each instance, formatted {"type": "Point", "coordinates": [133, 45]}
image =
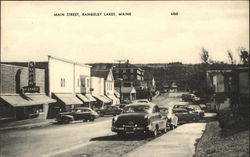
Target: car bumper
{"type": "Point", "coordinates": [129, 129]}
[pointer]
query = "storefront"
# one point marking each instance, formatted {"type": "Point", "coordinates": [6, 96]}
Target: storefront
{"type": "Point", "coordinates": [22, 106]}
{"type": "Point", "coordinates": [84, 99]}
{"type": "Point", "coordinates": [102, 101]}
{"type": "Point", "coordinates": [66, 102]}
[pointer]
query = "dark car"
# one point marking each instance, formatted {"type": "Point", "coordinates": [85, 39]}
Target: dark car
{"type": "Point", "coordinates": [140, 118]}
{"type": "Point", "coordinates": [109, 110]}
{"type": "Point", "coordinates": [79, 113]}
{"type": "Point", "coordinates": [185, 115]}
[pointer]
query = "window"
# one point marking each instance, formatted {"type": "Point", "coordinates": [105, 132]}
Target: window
{"type": "Point", "coordinates": [125, 77]}
{"type": "Point", "coordinates": [62, 82]}
{"type": "Point", "coordinates": [88, 83]}
{"type": "Point", "coordinates": [78, 80]}
{"type": "Point", "coordinates": [131, 70]}
{"type": "Point", "coordinates": [82, 82]}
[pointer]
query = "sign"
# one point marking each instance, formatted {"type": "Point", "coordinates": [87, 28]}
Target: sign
{"type": "Point", "coordinates": [31, 88]}
{"type": "Point", "coordinates": [28, 89]}
{"type": "Point", "coordinates": [32, 74]}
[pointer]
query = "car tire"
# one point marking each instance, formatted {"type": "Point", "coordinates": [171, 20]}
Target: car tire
{"type": "Point", "coordinates": [165, 130]}
{"type": "Point", "coordinates": [120, 134]}
{"type": "Point", "coordinates": [171, 126]}
{"type": "Point", "coordinates": [92, 118]}
{"type": "Point", "coordinates": [84, 120]}
{"type": "Point", "coordinates": [66, 121]}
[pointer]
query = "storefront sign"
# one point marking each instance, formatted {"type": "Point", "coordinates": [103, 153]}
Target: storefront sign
{"type": "Point", "coordinates": [32, 74]}
{"type": "Point", "coordinates": [31, 88]}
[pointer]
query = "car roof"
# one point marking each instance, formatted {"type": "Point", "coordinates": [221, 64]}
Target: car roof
{"type": "Point", "coordinates": [82, 108]}
{"type": "Point", "coordinates": [142, 104]}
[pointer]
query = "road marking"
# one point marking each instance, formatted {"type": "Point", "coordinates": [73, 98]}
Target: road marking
{"type": "Point", "coordinates": [68, 149]}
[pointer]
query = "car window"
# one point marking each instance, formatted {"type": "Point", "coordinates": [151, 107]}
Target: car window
{"type": "Point", "coordinates": [139, 108]}
{"type": "Point", "coordinates": [164, 110]}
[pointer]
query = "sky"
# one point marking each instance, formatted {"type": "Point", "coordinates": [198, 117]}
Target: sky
{"type": "Point", "coordinates": [31, 32]}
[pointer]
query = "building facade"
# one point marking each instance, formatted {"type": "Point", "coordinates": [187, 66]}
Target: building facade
{"type": "Point", "coordinates": [69, 82]}
{"type": "Point", "coordinates": [23, 91]}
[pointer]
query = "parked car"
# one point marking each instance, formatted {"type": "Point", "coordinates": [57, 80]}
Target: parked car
{"type": "Point", "coordinates": [140, 118]}
{"type": "Point", "coordinates": [171, 117]}
{"type": "Point", "coordinates": [109, 110]}
{"type": "Point", "coordinates": [197, 109]}
{"type": "Point", "coordinates": [141, 101]}
{"type": "Point", "coordinates": [185, 115]}
{"type": "Point", "coordinates": [203, 107]}
{"type": "Point", "coordinates": [79, 113]}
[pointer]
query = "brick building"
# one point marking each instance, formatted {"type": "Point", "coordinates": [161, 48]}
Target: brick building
{"type": "Point", "coordinates": [23, 91]}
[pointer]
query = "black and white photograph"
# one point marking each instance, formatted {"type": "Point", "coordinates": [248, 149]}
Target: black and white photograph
{"type": "Point", "coordinates": [124, 79]}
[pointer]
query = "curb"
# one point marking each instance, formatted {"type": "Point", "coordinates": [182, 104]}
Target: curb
{"type": "Point", "coordinates": [28, 126]}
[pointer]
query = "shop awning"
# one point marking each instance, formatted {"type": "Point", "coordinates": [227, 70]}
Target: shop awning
{"type": "Point", "coordinates": [83, 98]}
{"type": "Point", "coordinates": [117, 94]}
{"type": "Point", "coordinates": [27, 99]}
{"type": "Point", "coordinates": [69, 99]}
{"type": "Point", "coordinates": [90, 97]}
{"type": "Point", "coordinates": [103, 98]}
{"type": "Point", "coordinates": [114, 98]}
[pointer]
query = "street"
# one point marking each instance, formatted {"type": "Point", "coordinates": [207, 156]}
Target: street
{"type": "Point", "coordinates": [85, 139]}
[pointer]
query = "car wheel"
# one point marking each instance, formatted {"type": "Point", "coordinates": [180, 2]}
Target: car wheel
{"type": "Point", "coordinates": [165, 130]}
{"type": "Point", "coordinates": [171, 126]}
{"type": "Point", "coordinates": [121, 134]}
{"type": "Point", "coordinates": [66, 121]}
{"type": "Point", "coordinates": [92, 118]}
{"type": "Point", "coordinates": [85, 120]}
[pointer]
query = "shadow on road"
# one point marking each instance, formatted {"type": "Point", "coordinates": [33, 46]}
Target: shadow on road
{"type": "Point", "coordinates": [127, 137]}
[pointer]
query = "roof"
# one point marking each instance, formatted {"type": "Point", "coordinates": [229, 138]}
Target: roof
{"type": "Point", "coordinates": [126, 90]}
{"type": "Point", "coordinates": [69, 61]}
{"type": "Point", "coordinates": [100, 73]}
{"type": "Point", "coordinates": [143, 104]}
{"type": "Point", "coordinates": [148, 75]}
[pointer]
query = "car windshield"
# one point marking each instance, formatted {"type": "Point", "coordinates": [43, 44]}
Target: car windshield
{"type": "Point", "coordinates": [164, 110]}
{"type": "Point", "coordinates": [180, 111]}
{"type": "Point", "coordinates": [139, 108]}
{"type": "Point", "coordinates": [196, 107]}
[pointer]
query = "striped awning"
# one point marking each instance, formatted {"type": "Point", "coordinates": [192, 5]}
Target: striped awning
{"type": "Point", "coordinates": [90, 97]}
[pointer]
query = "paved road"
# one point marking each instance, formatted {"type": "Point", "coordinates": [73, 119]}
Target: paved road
{"type": "Point", "coordinates": [80, 138]}
{"type": "Point", "coordinates": [52, 140]}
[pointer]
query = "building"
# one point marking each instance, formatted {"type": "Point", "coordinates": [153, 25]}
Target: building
{"type": "Point", "coordinates": [69, 83]}
{"type": "Point", "coordinates": [109, 89]}
{"type": "Point", "coordinates": [23, 91]}
{"type": "Point", "coordinates": [230, 89]}
{"type": "Point", "coordinates": [97, 84]}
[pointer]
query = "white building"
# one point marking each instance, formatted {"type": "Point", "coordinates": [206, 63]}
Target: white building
{"type": "Point", "coordinates": [68, 81]}
{"type": "Point", "coordinates": [97, 86]}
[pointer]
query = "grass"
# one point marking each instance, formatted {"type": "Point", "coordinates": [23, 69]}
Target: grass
{"type": "Point", "coordinates": [216, 142]}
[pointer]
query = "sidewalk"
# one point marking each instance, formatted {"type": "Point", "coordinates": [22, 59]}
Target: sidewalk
{"type": "Point", "coordinates": [177, 143]}
{"type": "Point", "coordinates": [27, 123]}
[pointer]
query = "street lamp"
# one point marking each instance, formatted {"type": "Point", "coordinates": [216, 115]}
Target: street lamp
{"type": "Point", "coordinates": [120, 80]}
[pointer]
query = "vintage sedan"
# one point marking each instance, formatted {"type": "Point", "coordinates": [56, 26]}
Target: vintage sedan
{"type": "Point", "coordinates": [79, 113]}
{"type": "Point", "coordinates": [140, 118]}
{"type": "Point", "coordinates": [171, 117]}
{"type": "Point", "coordinates": [109, 110]}
{"type": "Point", "coordinates": [185, 115]}
{"type": "Point", "coordinates": [197, 109]}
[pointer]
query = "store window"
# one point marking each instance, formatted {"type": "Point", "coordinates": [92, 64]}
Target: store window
{"type": "Point", "coordinates": [62, 82]}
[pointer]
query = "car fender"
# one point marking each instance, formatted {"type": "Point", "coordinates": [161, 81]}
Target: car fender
{"type": "Point", "coordinates": [68, 116]}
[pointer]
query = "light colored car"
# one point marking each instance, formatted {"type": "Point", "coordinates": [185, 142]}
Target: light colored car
{"type": "Point", "coordinates": [141, 101]}
{"type": "Point", "coordinates": [171, 117]}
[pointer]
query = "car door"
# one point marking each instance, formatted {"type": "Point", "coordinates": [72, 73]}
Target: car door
{"type": "Point", "coordinates": [158, 118]}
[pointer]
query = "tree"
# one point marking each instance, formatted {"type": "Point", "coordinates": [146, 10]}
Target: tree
{"type": "Point", "coordinates": [230, 56]}
{"type": "Point", "coordinates": [204, 56]}
{"type": "Point", "coordinates": [244, 56]}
